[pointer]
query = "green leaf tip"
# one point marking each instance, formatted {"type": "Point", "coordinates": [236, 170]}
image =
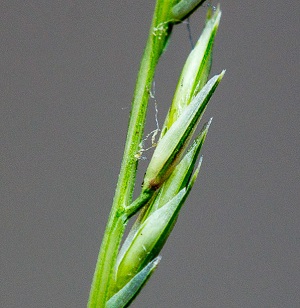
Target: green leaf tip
{"type": "Point", "coordinates": [125, 296]}
{"type": "Point", "coordinates": [172, 145]}
{"type": "Point", "coordinates": [195, 72]}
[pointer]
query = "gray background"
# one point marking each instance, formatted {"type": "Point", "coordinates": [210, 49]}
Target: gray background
{"type": "Point", "coordinates": [68, 70]}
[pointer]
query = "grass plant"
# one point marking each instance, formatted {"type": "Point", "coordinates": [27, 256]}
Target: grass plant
{"type": "Point", "coordinates": [121, 272]}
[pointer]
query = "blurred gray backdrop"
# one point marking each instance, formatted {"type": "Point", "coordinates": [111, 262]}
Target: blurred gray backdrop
{"type": "Point", "coordinates": [68, 71]}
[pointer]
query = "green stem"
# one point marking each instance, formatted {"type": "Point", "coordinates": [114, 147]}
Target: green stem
{"type": "Point", "coordinates": [159, 33]}
{"type": "Point", "coordinates": [139, 202]}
